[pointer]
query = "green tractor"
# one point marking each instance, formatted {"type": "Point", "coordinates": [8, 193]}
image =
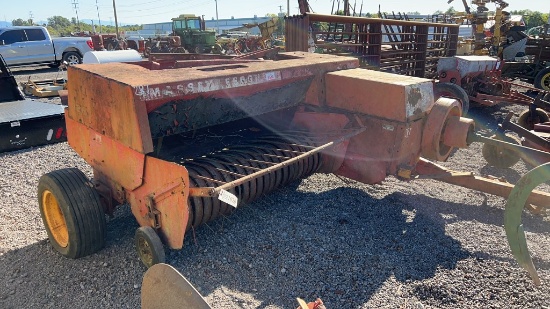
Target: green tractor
{"type": "Point", "coordinates": [194, 37]}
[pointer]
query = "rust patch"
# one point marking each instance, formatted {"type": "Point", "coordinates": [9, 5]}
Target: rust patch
{"type": "Point", "coordinates": [414, 96]}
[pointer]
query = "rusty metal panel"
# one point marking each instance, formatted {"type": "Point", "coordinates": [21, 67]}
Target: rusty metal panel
{"type": "Point", "coordinates": [369, 160]}
{"type": "Point", "coordinates": [380, 94]}
{"type": "Point", "coordinates": [161, 202]}
{"type": "Point", "coordinates": [124, 93]}
{"type": "Point", "coordinates": [180, 116]}
{"type": "Point", "coordinates": [121, 118]}
{"type": "Point", "coordinates": [319, 124]}
{"type": "Point", "coordinates": [296, 33]}
{"type": "Point", "coordinates": [105, 153]}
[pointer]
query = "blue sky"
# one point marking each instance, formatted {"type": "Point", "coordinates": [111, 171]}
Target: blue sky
{"type": "Point", "coordinates": [152, 11]}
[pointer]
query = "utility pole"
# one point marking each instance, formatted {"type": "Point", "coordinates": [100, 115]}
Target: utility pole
{"type": "Point", "coordinates": [217, 21]}
{"type": "Point", "coordinates": [75, 6]}
{"type": "Point", "coordinates": [99, 19]}
{"type": "Point", "coordinates": [116, 20]}
{"type": "Point", "coordinates": [31, 18]}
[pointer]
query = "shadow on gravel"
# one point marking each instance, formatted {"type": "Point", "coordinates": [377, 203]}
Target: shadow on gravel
{"type": "Point", "coordinates": [508, 174]}
{"type": "Point", "coordinates": [341, 245]}
{"type": "Point", "coordinates": [37, 277]}
{"type": "Point", "coordinates": [487, 117]}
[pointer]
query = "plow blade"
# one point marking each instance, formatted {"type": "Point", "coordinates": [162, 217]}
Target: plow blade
{"type": "Point", "coordinates": [512, 216]}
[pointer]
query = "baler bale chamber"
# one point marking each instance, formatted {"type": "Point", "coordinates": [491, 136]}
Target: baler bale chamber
{"type": "Point", "coordinates": [185, 142]}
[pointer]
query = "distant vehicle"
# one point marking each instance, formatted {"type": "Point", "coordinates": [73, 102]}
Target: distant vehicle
{"type": "Point", "coordinates": [194, 36]}
{"type": "Point", "coordinates": [33, 45]}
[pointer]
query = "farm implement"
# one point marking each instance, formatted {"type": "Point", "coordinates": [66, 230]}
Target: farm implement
{"type": "Point", "coordinates": [184, 142]}
{"type": "Point", "coordinates": [26, 123]}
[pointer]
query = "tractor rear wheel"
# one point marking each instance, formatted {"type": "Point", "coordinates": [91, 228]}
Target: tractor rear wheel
{"type": "Point", "coordinates": [453, 91]}
{"type": "Point", "coordinates": [499, 156]}
{"type": "Point", "coordinates": [542, 80]}
{"type": "Point", "coordinates": [527, 120]}
{"type": "Point", "coordinates": [72, 213]}
{"type": "Point", "coordinates": [149, 246]}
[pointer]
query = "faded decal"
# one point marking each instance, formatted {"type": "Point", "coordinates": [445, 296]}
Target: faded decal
{"type": "Point", "coordinates": [149, 93]}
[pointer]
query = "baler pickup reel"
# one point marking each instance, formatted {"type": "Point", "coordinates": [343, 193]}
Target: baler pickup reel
{"type": "Point", "coordinates": [222, 191]}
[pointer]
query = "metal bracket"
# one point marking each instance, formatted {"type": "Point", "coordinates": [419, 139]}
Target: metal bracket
{"type": "Point", "coordinates": [153, 213]}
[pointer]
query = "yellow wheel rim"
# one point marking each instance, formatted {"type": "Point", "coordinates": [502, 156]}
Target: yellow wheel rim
{"type": "Point", "coordinates": [145, 252]}
{"type": "Point", "coordinates": [545, 82]}
{"type": "Point", "coordinates": [55, 219]}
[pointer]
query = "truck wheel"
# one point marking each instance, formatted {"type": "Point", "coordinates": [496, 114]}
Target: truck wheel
{"type": "Point", "coordinates": [72, 213]}
{"type": "Point", "coordinates": [499, 156]}
{"type": "Point", "coordinates": [542, 80]}
{"type": "Point", "coordinates": [453, 91]}
{"type": "Point", "coordinates": [528, 121]}
{"type": "Point", "coordinates": [149, 246]}
{"type": "Point", "coordinates": [72, 58]}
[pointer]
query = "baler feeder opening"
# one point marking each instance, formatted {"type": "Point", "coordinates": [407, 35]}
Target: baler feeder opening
{"type": "Point", "coordinates": [247, 162]}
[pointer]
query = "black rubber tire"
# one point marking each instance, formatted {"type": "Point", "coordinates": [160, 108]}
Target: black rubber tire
{"type": "Point", "coordinates": [72, 58]}
{"type": "Point", "coordinates": [81, 208]}
{"type": "Point", "coordinates": [149, 246]}
{"type": "Point", "coordinates": [453, 91]}
{"type": "Point", "coordinates": [542, 80]}
{"type": "Point", "coordinates": [501, 157]}
{"type": "Point", "coordinates": [528, 122]}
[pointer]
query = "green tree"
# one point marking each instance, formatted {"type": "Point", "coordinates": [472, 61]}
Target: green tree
{"type": "Point", "coordinates": [20, 22]}
{"type": "Point", "coordinates": [58, 22]}
{"type": "Point", "coordinates": [532, 18]}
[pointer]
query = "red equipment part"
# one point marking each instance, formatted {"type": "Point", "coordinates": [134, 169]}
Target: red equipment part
{"type": "Point", "coordinates": [183, 144]}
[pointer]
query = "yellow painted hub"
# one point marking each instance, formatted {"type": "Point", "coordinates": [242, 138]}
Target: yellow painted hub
{"type": "Point", "coordinates": [55, 219]}
{"type": "Point", "coordinates": [545, 82]}
{"type": "Point", "coordinates": [145, 252]}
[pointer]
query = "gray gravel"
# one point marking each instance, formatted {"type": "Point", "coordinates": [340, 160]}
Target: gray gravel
{"type": "Point", "coordinates": [420, 244]}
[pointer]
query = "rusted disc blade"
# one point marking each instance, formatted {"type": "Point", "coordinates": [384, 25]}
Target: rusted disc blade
{"type": "Point", "coordinates": [164, 287]}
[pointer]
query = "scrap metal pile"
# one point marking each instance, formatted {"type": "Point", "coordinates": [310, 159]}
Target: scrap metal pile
{"type": "Point", "coordinates": [184, 142]}
{"type": "Point", "coordinates": [396, 46]}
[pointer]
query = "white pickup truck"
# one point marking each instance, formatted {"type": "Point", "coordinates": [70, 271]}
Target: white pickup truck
{"type": "Point", "coordinates": [25, 45]}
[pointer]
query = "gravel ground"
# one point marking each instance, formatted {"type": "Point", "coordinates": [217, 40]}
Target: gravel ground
{"type": "Point", "coordinates": [420, 244]}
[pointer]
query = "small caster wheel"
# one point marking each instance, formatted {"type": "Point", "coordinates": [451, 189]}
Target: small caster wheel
{"type": "Point", "coordinates": [149, 246]}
